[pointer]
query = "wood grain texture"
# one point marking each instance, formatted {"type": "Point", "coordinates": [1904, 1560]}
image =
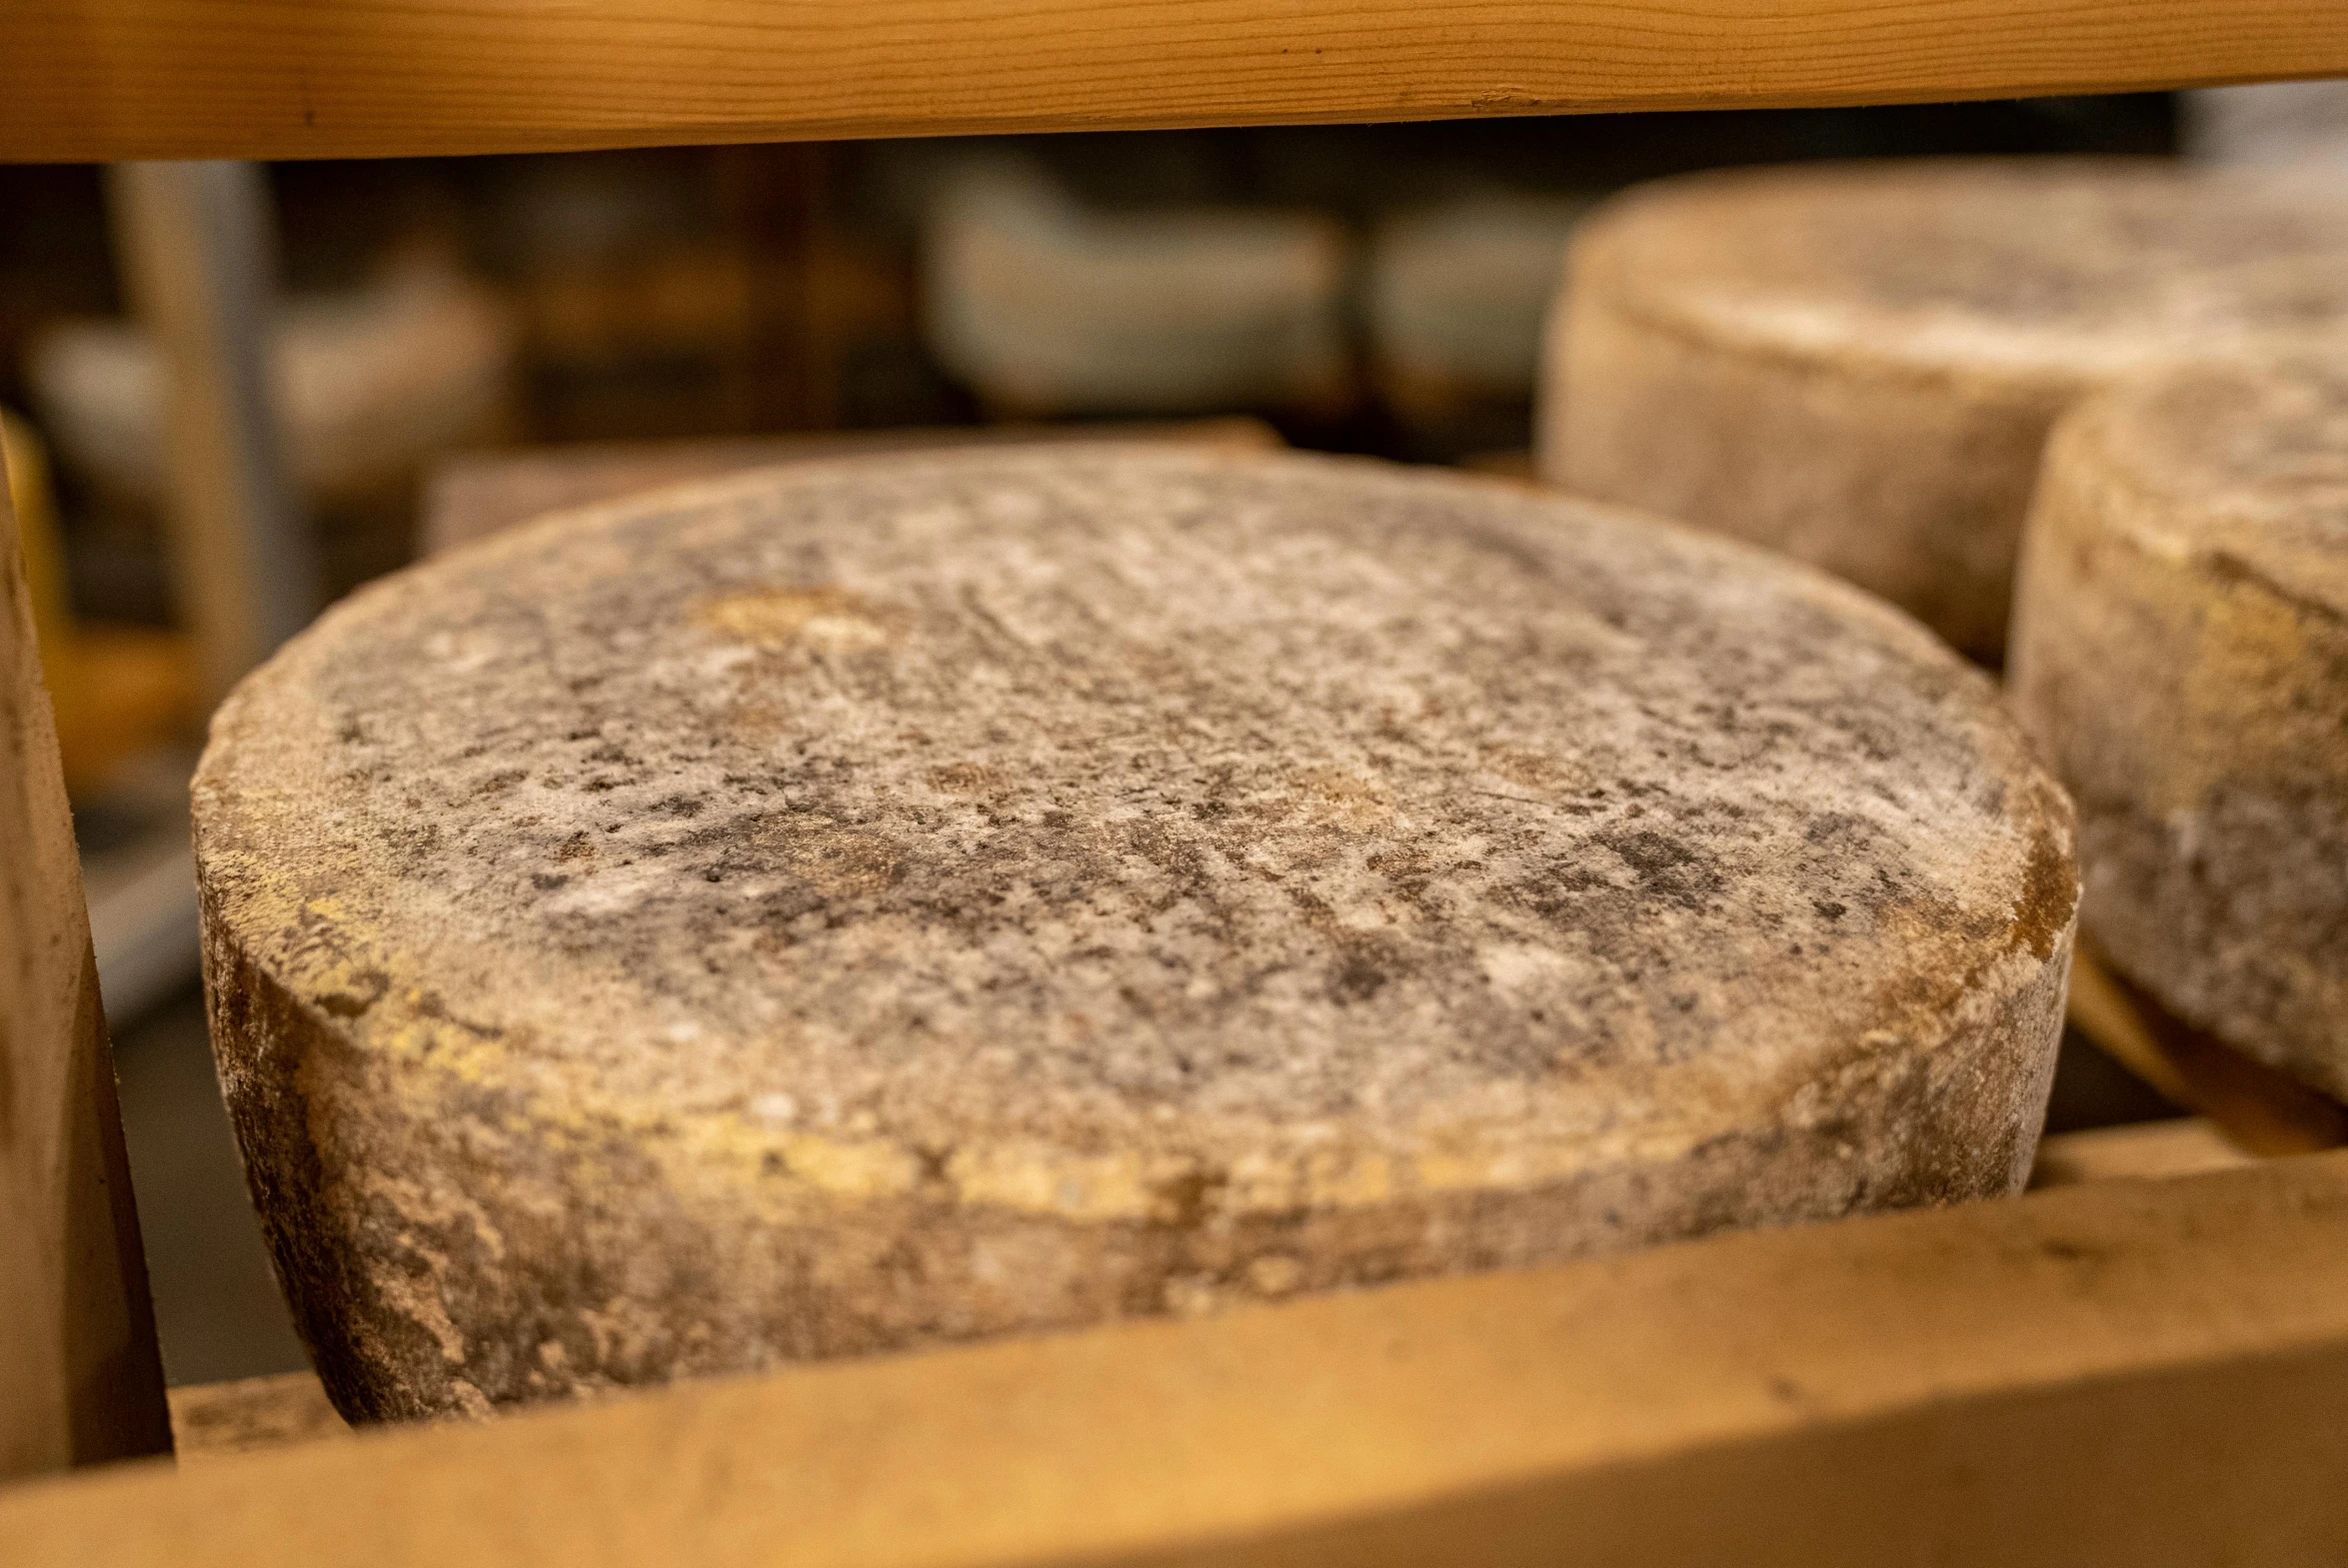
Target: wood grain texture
{"type": "Point", "coordinates": [2132, 1372]}
{"type": "Point", "coordinates": [116, 79]}
{"type": "Point", "coordinates": [80, 1376]}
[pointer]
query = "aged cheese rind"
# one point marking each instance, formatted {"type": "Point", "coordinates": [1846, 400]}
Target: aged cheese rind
{"type": "Point", "coordinates": [1859, 364]}
{"type": "Point", "coordinates": [2181, 653]}
{"type": "Point", "coordinates": [884, 901]}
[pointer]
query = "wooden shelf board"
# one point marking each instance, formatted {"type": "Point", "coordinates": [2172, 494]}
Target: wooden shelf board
{"type": "Point", "coordinates": [476, 494]}
{"type": "Point", "coordinates": [2126, 1372]}
{"type": "Point", "coordinates": [117, 79]}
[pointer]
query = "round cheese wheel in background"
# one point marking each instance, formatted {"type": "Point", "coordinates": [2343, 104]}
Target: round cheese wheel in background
{"type": "Point", "coordinates": [915, 898]}
{"type": "Point", "coordinates": [2181, 654]}
{"type": "Point", "coordinates": [1859, 364]}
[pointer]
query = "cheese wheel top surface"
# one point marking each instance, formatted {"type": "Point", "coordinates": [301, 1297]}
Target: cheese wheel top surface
{"type": "Point", "coordinates": [2244, 462]}
{"type": "Point", "coordinates": [1115, 799]}
{"type": "Point", "coordinates": [2035, 267]}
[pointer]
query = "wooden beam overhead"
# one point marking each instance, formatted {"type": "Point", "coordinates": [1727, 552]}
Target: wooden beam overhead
{"type": "Point", "coordinates": [106, 80]}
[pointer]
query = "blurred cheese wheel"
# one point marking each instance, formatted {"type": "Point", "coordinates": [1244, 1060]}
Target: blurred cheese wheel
{"type": "Point", "coordinates": [1857, 364]}
{"type": "Point", "coordinates": [2181, 653]}
{"type": "Point", "coordinates": [368, 386]}
{"type": "Point", "coordinates": [914, 898]}
{"type": "Point", "coordinates": [1453, 297]}
{"type": "Point", "coordinates": [1047, 307]}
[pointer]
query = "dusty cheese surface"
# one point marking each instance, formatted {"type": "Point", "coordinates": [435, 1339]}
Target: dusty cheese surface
{"type": "Point", "coordinates": [921, 897]}
{"type": "Point", "coordinates": [1859, 364]}
{"type": "Point", "coordinates": [2054, 268]}
{"type": "Point", "coordinates": [2182, 653]}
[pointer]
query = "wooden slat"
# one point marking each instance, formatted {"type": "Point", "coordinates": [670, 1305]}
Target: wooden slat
{"type": "Point", "coordinates": [80, 1376]}
{"type": "Point", "coordinates": [2181, 1146]}
{"type": "Point", "coordinates": [474, 495]}
{"type": "Point", "coordinates": [2260, 1108]}
{"type": "Point", "coordinates": [210, 1420]}
{"type": "Point", "coordinates": [194, 248]}
{"type": "Point", "coordinates": [116, 79]}
{"type": "Point", "coordinates": [2130, 1372]}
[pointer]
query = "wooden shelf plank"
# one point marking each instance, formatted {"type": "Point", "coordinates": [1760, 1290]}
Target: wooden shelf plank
{"type": "Point", "coordinates": [476, 494]}
{"type": "Point", "coordinates": [116, 79]}
{"type": "Point", "coordinates": [2128, 1372]}
{"type": "Point", "coordinates": [2263, 1111]}
{"type": "Point", "coordinates": [80, 1379]}
{"type": "Point", "coordinates": [213, 1421]}
{"type": "Point", "coordinates": [2145, 1151]}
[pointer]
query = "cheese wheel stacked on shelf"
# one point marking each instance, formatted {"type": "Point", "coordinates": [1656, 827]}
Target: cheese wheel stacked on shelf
{"type": "Point", "coordinates": [2181, 655]}
{"type": "Point", "coordinates": [915, 898]}
{"type": "Point", "coordinates": [1859, 364]}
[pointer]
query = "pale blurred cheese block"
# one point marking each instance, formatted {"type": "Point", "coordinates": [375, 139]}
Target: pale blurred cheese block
{"type": "Point", "coordinates": [1048, 306]}
{"type": "Point", "coordinates": [1454, 296]}
{"type": "Point", "coordinates": [367, 384]}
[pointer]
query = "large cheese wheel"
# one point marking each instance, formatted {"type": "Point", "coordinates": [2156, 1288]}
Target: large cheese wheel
{"type": "Point", "coordinates": [2181, 651]}
{"type": "Point", "coordinates": [1859, 364]}
{"type": "Point", "coordinates": [908, 899]}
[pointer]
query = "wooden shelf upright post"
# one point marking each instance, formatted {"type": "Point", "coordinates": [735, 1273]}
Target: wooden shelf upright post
{"type": "Point", "coordinates": [80, 1379]}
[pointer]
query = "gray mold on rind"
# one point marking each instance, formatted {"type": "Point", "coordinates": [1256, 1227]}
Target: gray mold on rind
{"type": "Point", "coordinates": [911, 899]}
{"type": "Point", "coordinates": [1859, 364]}
{"type": "Point", "coordinates": [2181, 654]}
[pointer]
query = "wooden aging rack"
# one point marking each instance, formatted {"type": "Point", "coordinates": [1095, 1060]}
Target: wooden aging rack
{"type": "Point", "coordinates": [2124, 1371]}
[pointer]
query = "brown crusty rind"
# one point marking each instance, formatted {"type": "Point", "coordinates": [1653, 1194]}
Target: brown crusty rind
{"type": "Point", "coordinates": [909, 900]}
{"type": "Point", "coordinates": [2181, 655]}
{"type": "Point", "coordinates": [1859, 364]}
